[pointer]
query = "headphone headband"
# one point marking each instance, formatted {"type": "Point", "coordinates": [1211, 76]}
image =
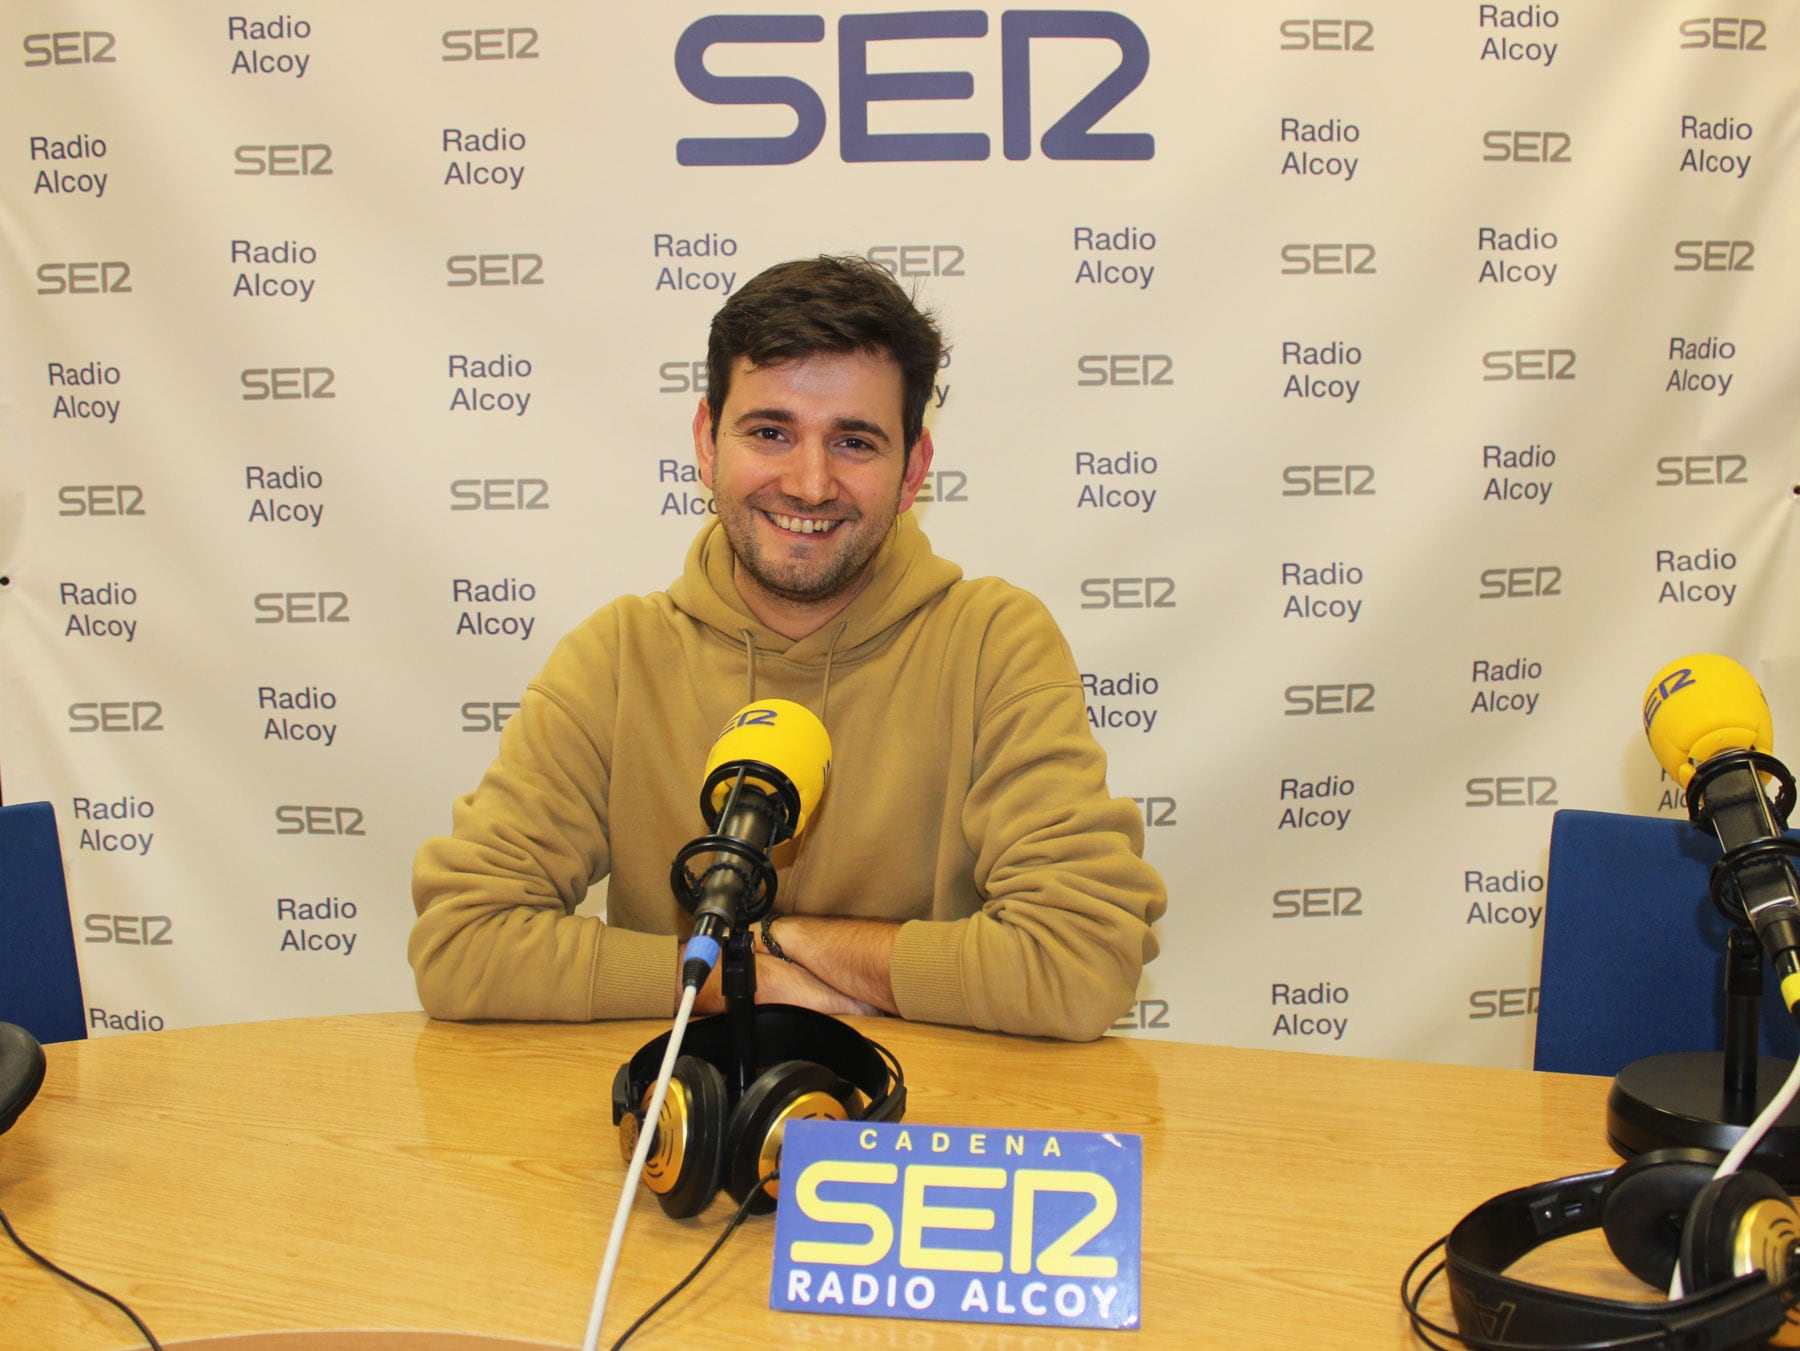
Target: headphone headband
{"type": "Point", "coordinates": [1494, 1310]}
{"type": "Point", "coordinates": [22, 1068]}
{"type": "Point", "coordinates": [783, 1032]}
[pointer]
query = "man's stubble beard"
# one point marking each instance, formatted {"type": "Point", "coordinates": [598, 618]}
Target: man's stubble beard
{"type": "Point", "coordinates": [841, 573]}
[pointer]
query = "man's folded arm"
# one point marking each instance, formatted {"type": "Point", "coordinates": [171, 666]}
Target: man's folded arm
{"type": "Point", "coordinates": [1060, 941]}
{"type": "Point", "coordinates": [496, 934]}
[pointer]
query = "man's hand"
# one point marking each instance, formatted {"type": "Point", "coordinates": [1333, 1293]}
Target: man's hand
{"type": "Point", "coordinates": [779, 982]}
{"type": "Point", "coordinates": [850, 955]}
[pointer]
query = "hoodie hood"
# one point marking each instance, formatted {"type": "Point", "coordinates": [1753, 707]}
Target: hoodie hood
{"type": "Point", "coordinates": [906, 575]}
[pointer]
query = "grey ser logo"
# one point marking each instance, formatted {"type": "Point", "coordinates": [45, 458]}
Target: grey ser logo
{"type": "Point", "coordinates": [494, 269]}
{"type": "Point", "coordinates": [116, 715]}
{"type": "Point", "coordinates": [294, 819]}
{"type": "Point", "coordinates": [74, 48]}
{"type": "Point", "coordinates": [302, 607]}
{"type": "Point", "coordinates": [148, 931]}
{"type": "Point", "coordinates": [491, 44]}
{"type": "Point", "coordinates": [287, 382]}
{"type": "Point", "coordinates": [111, 277]}
{"type": "Point", "coordinates": [1128, 593]}
{"type": "Point", "coordinates": [101, 499]}
{"type": "Point", "coordinates": [499, 494]}
{"type": "Point", "coordinates": [293, 160]}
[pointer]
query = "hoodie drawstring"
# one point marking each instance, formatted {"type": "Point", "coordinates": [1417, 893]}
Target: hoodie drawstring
{"type": "Point", "coordinates": [750, 664]}
{"type": "Point", "coordinates": [825, 690]}
{"type": "Point", "coordinates": [749, 638]}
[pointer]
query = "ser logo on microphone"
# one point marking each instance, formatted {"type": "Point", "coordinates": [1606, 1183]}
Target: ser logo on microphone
{"type": "Point", "coordinates": [749, 717]}
{"type": "Point", "coordinates": [1662, 689]}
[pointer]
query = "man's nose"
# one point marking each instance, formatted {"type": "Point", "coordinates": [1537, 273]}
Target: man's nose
{"type": "Point", "coordinates": [807, 476]}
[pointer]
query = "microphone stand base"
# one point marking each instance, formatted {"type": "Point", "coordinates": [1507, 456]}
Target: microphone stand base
{"type": "Point", "coordinates": [1679, 1100]}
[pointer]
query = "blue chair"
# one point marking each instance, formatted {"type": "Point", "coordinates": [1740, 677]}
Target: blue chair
{"type": "Point", "coordinates": [40, 983]}
{"type": "Point", "coordinates": [1634, 949]}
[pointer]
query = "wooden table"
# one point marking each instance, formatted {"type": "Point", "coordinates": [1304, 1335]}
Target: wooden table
{"type": "Point", "coordinates": [388, 1172]}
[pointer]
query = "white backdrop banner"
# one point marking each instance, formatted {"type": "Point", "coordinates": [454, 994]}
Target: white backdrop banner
{"type": "Point", "coordinates": [1377, 394]}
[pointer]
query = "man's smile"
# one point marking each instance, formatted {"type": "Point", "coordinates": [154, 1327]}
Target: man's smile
{"type": "Point", "coordinates": [804, 525]}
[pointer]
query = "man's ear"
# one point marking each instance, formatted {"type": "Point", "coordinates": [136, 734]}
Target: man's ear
{"type": "Point", "coordinates": [704, 449]}
{"type": "Point", "coordinates": [918, 463]}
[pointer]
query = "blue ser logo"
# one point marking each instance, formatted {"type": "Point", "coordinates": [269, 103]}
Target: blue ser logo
{"type": "Point", "coordinates": [1669, 684]}
{"type": "Point", "coordinates": [1071, 137]}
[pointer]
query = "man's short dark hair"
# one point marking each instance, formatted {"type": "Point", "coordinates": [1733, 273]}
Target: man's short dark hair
{"type": "Point", "coordinates": [824, 304]}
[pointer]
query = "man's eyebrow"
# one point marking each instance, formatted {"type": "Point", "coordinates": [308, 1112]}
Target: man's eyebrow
{"type": "Point", "coordinates": [863, 425]}
{"type": "Point", "coordinates": [786, 417]}
{"type": "Point", "coordinates": [763, 415]}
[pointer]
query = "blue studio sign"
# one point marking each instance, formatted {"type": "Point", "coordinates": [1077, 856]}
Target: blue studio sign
{"type": "Point", "coordinates": [971, 1225]}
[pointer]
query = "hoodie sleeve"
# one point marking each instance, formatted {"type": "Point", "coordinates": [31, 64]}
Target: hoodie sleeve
{"type": "Point", "coordinates": [1067, 901]}
{"type": "Point", "coordinates": [496, 934]}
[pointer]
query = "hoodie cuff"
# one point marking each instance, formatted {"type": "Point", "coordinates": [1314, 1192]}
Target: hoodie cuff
{"type": "Point", "coordinates": [926, 970]}
{"type": "Point", "coordinates": [636, 976]}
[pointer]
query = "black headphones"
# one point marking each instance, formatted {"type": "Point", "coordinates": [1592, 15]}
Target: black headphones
{"type": "Point", "coordinates": [809, 1066]}
{"type": "Point", "coordinates": [21, 1072]}
{"type": "Point", "coordinates": [1735, 1240]}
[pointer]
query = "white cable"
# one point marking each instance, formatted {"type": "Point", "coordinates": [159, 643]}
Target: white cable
{"type": "Point", "coordinates": [1764, 1120]}
{"type": "Point", "coordinates": [646, 1134]}
{"type": "Point", "coordinates": [1748, 1141]}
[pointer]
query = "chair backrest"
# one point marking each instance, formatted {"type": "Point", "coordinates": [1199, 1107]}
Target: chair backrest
{"type": "Point", "coordinates": [40, 983]}
{"type": "Point", "coordinates": [1634, 949]}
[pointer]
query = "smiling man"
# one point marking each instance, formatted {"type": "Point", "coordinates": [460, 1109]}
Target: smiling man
{"type": "Point", "coordinates": [968, 864]}
{"type": "Point", "coordinates": [810, 467]}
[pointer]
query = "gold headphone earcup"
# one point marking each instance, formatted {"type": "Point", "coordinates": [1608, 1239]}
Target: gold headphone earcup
{"type": "Point", "coordinates": [1740, 1225]}
{"type": "Point", "coordinates": [792, 1090]}
{"type": "Point", "coordinates": [686, 1154]}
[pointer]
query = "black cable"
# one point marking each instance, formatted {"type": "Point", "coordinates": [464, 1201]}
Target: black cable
{"type": "Point", "coordinates": [45, 1262]}
{"type": "Point", "coordinates": [731, 1228]}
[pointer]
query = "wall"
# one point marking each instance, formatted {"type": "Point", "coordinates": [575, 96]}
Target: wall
{"type": "Point", "coordinates": [1378, 395]}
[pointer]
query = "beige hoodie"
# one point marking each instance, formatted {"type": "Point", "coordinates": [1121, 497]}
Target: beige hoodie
{"type": "Point", "coordinates": [967, 796]}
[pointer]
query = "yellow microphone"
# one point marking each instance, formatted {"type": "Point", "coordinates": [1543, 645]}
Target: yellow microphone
{"type": "Point", "coordinates": [1697, 707]}
{"type": "Point", "coordinates": [764, 776]}
{"type": "Point", "coordinates": [1709, 726]}
{"type": "Point", "coordinates": [775, 742]}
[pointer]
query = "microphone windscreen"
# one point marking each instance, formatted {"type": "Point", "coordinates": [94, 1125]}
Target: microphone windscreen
{"type": "Point", "coordinates": [783, 735]}
{"type": "Point", "coordinates": [1699, 706]}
